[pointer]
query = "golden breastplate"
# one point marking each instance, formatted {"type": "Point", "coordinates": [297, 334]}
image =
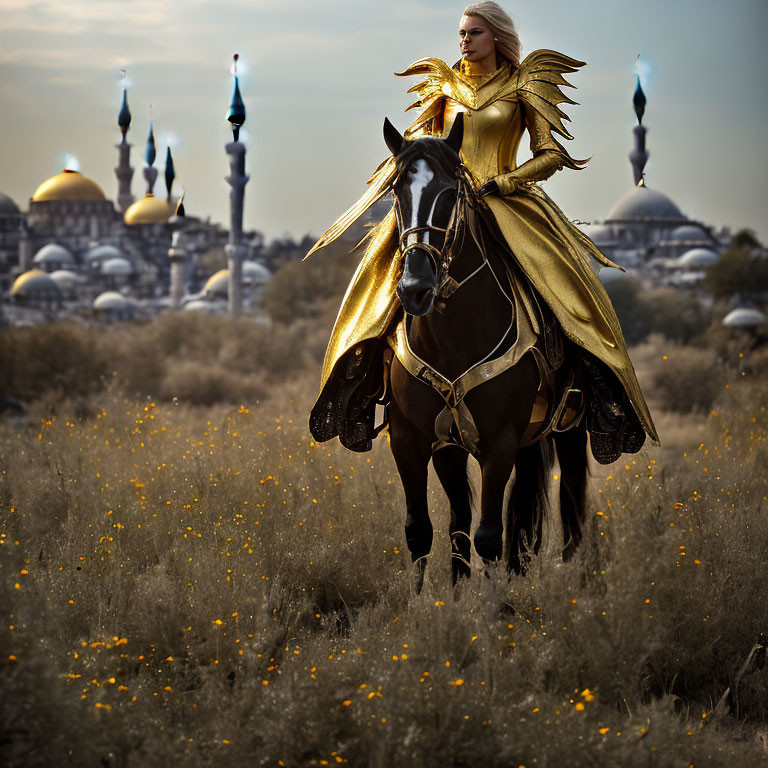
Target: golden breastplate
{"type": "Point", "coordinates": [491, 136]}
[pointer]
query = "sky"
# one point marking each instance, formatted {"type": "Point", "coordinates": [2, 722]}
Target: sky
{"type": "Point", "coordinates": [317, 81]}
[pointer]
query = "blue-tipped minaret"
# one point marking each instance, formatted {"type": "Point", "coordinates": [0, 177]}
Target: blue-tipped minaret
{"type": "Point", "coordinates": [170, 173]}
{"type": "Point", "coordinates": [124, 118]}
{"type": "Point", "coordinates": [150, 153]}
{"type": "Point", "coordinates": [639, 155]}
{"type": "Point", "coordinates": [237, 180]}
{"type": "Point", "coordinates": [236, 111]}
{"type": "Point", "coordinates": [124, 172]}
{"type": "Point", "coordinates": [639, 101]}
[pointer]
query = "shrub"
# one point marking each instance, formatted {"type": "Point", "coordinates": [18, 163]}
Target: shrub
{"type": "Point", "coordinates": [643, 311]}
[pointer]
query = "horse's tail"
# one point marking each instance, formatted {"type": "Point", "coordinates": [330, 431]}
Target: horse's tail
{"type": "Point", "coordinates": [574, 474]}
{"type": "Point", "coordinates": [528, 502]}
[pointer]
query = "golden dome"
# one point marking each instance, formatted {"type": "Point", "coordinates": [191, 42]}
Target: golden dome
{"type": "Point", "coordinates": [68, 185]}
{"type": "Point", "coordinates": [34, 282]}
{"type": "Point", "coordinates": [218, 283]}
{"type": "Point", "coordinates": [148, 210]}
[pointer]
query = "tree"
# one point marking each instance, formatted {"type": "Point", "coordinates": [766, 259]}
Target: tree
{"type": "Point", "coordinates": [737, 273]}
{"type": "Point", "coordinates": [746, 239]}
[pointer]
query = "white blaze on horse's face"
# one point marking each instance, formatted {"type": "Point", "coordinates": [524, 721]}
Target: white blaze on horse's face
{"type": "Point", "coordinates": [420, 175]}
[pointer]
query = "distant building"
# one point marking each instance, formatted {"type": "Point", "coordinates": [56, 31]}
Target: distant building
{"type": "Point", "coordinates": [73, 251]}
{"type": "Point", "coordinates": [646, 232]}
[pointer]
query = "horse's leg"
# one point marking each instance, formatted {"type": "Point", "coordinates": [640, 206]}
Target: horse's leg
{"type": "Point", "coordinates": [451, 467]}
{"type": "Point", "coordinates": [528, 503]}
{"type": "Point", "coordinates": [574, 472]}
{"type": "Point", "coordinates": [412, 451]}
{"type": "Point", "coordinates": [496, 468]}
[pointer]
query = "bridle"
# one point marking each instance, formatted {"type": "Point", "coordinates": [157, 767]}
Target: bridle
{"type": "Point", "coordinates": [464, 217]}
{"type": "Point", "coordinates": [453, 234]}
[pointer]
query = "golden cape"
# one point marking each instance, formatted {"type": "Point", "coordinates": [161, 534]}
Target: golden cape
{"type": "Point", "coordinates": [554, 254]}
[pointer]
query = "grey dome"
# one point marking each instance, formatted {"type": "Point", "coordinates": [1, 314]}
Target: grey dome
{"type": "Point", "coordinates": [253, 272]}
{"type": "Point", "coordinates": [699, 257]}
{"type": "Point", "coordinates": [641, 203]}
{"type": "Point", "coordinates": [35, 283]}
{"type": "Point", "coordinates": [53, 254]}
{"type": "Point", "coordinates": [112, 300]}
{"type": "Point", "coordinates": [200, 305]}
{"type": "Point", "coordinates": [102, 253]}
{"type": "Point", "coordinates": [690, 233]}
{"type": "Point", "coordinates": [745, 318]}
{"type": "Point", "coordinates": [7, 206]}
{"type": "Point", "coordinates": [116, 266]}
{"type": "Point", "coordinates": [598, 233]}
{"type": "Point", "coordinates": [65, 278]}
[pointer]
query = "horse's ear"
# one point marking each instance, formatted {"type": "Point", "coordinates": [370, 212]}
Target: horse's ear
{"type": "Point", "coordinates": [456, 134]}
{"type": "Point", "coordinates": [393, 137]}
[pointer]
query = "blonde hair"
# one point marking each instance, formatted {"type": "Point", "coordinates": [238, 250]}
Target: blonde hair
{"type": "Point", "coordinates": [502, 26]}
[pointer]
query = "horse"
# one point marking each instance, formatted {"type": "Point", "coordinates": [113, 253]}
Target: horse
{"type": "Point", "coordinates": [461, 313]}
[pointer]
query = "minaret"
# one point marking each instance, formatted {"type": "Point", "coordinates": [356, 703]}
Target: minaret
{"type": "Point", "coordinates": [178, 255]}
{"type": "Point", "coordinates": [170, 175]}
{"type": "Point", "coordinates": [150, 172]}
{"type": "Point", "coordinates": [124, 172]}
{"type": "Point", "coordinates": [25, 247]}
{"type": "Point", "coordinates": [639, 155]}
{"type": "Point", "coordinates": [237, 179]}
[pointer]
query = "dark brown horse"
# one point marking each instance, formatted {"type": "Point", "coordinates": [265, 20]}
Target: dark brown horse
{"type": "Point", "coordinates": [455, 290]}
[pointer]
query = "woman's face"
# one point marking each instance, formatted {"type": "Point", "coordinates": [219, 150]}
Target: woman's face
{"type": "Point", "coordinates": [475, 39]}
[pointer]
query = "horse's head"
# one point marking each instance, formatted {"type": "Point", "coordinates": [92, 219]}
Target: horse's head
{"type": "Point", "coordinates": [425, 192]}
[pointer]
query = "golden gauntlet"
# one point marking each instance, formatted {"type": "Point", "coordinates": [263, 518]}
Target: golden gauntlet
{"type": "Point", "coordinates": [538, 168]}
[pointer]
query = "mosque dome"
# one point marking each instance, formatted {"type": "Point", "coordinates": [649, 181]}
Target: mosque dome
{"type": "Point", "coordinates": [700, 258]}
{"type": "Point", "coordinates": [148, 210]}
{"type": "Point", "coordinates": [218, 283]}
{"type": "Point", "coordinates": [7, 206]}
{"type": "Point", "coordinates": [200, 305]}
{"type": "Point", "coordinates": [53, 254]}
{"type": "Point", "coordinates": [255, 273]}
{"type": "Point", "coordinates": [116, 266]}
{"type": "Point", "coordinates": [598, 233]}
{"type": "Point", "coordinates": [99, 253]}
{"type": "Point", "coordinates": [642, 204]}
{"type": "Point", "coordinates": [689, 233]}
{"type": "Point", "coordinates": [66, 279]}
{"type": "Point", "coordinates": [68, 185]}
{"type": "Point", "coordinates": [35, 283]}
{"type": "Point", "coordinates": [745, 318]}
{"type": "Point", "coordinates": [112, 301]}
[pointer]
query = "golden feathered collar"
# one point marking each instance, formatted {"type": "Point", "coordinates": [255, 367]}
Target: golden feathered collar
{"type": "Point", "coordinates": [536, 81]}
{"type": "Point", "coordinates": [442, 80]}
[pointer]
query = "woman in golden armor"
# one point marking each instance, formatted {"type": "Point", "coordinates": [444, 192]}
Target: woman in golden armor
{"type": "Point", "coordinates": [500, 97]}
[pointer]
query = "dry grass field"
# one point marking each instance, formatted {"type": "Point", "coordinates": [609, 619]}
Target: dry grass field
{"type": "Point", "coordinates": [187, 579]}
